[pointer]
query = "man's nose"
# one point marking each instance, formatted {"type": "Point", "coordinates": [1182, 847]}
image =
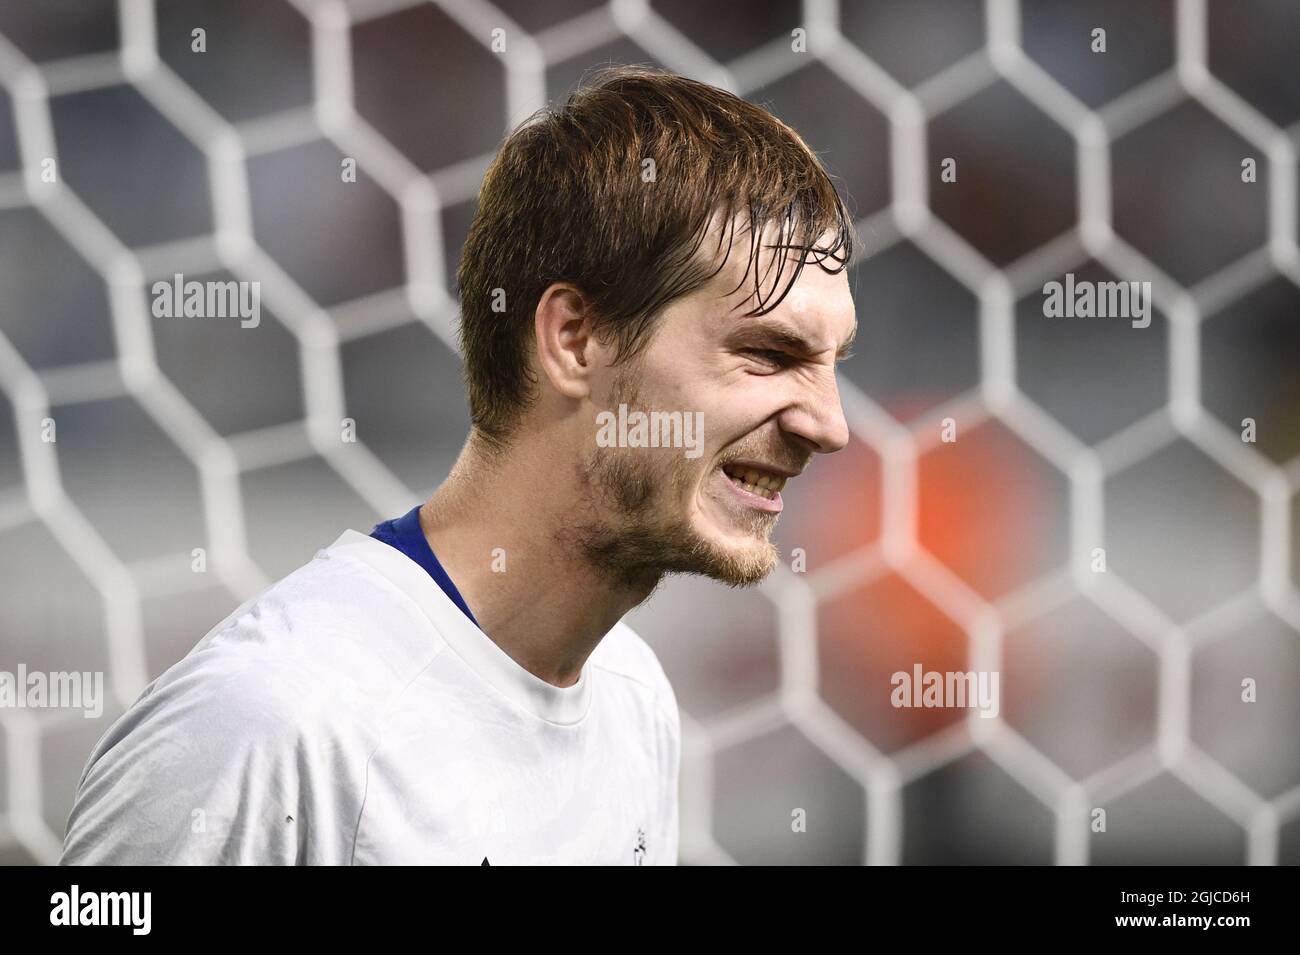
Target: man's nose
{"type": "Point", "coordinates": [818, 417]}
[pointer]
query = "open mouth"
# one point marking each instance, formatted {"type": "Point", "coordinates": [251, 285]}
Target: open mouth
{"type": "Point", "coordinates": [754, 480]}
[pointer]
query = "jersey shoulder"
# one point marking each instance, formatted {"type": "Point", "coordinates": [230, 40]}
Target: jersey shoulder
{"type": "Point", "coordinates": [335, 620]}
{"type": "Point", "coordinates": [320, 651]}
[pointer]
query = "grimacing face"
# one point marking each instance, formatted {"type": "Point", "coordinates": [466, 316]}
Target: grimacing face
{"type": "Point", "coordinates": [767, 390]}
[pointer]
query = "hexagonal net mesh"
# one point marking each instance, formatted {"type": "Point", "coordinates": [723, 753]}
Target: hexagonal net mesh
{"type": "Point", "coordinates": [1112, 530]}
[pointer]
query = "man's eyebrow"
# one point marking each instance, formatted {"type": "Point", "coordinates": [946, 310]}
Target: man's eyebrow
{"type": "Point", "coordinates": [756, 331]}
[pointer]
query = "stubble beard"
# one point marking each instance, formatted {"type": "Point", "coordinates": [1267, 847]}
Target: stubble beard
{"type": "Point", "coordinates": [631, 527]}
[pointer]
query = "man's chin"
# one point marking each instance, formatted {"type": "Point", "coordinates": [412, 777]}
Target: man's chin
{"type": "Point", "coordinates": [744, 574]}
{"type": "Point", "coordinates": [737, 566]}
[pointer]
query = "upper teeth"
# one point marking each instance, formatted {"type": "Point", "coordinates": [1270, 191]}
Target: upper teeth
{"type": "Point", "coordinates": [756, 481]}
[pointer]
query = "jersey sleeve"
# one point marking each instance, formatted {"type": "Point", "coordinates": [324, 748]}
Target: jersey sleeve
{"type": "Point", "coordinates": [229, 758]}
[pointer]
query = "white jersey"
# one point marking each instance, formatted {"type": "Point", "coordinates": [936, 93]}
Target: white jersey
{"type": "Point", "coordinates": [351, 714]}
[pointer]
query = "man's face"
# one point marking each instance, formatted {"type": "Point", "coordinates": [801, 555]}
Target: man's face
{"type": "Point", "coordinates": [765, 388]}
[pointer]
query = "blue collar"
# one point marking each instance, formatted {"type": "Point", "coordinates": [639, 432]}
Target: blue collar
{"type": "Point", "coordinates": [405, 534]}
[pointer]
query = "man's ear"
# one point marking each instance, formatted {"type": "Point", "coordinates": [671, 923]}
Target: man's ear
{"type": "Point", "coordinates": [566, 347]}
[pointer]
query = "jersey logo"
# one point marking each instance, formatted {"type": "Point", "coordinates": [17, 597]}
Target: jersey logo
{"type": "Point", "coordinates": [484, 862]}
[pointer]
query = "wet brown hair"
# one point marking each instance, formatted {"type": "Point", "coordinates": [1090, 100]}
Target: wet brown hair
{"type": "Point", "coordinates": [567, 200]}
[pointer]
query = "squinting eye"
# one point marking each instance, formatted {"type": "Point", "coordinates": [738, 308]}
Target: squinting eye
{"type": "Point", "coordinates": [768, 355]}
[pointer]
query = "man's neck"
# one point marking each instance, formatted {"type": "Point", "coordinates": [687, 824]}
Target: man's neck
{"type": "Point", "coordinates": [498, 528]}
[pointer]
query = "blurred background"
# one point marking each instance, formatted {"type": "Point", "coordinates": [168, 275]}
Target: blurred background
{"type": "Point", "coordinates": [1099, 533]}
